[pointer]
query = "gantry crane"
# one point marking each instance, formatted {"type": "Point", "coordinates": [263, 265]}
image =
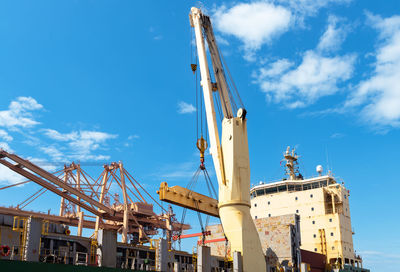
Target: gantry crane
{"type": "Point", "coordinates": [79, 193]}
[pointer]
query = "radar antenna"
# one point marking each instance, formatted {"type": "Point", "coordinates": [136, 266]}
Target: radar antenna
{"type": "Point", "coordinates": [292, 165]}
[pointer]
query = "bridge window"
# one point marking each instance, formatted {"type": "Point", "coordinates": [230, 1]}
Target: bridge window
{"type": "Point", "coordinates": [315, 185]}
{"type": "Point", "coordinates": [271, 190]}
{"type": "Point", "coordinates": [282, 188]}
{"type": "Point", "coordinates": [260, 192]}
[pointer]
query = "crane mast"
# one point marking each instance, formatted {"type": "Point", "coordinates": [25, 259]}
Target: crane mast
{"type": "Point", "coordinates": [230, 153]}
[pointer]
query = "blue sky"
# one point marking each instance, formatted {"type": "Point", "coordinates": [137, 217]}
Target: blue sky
{"type": "Point", "coordinates": [102, 81]}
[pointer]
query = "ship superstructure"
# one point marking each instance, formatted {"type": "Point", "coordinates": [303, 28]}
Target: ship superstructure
{"type": "Point", "coordinates": [323, 206]}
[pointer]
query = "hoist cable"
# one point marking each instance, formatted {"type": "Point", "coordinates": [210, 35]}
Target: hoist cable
{"type": "Point", "coordinates": [197, 107]}
{"type": "Point", "coordinates": [212, 186]}
{"type": "Point", "coordinates": [216, 98]}
{"type": "Point", "coordinates": [232, 82]}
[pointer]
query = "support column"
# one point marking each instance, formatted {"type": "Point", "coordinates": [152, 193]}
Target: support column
{"type": "Point", "coordinates": [80, 223]}
{"type": "Point", "coordinates": [74, 253]}
{"type": "Point", "coordinates": [203, 259]}
{"type": "Point", "coordinates": [103, 191]}
{"type": "Point", "coordinates": [237, 262]}
{"type": "Point", "coordinates": [126, 208]}
{"type": "Point", "coordinates": [107, 248]}
{"type": "Point", "coordinates": [78, 186]}
{"type": "Point", "coordinates": [177, 266]}
{"type": "Point", "coordinates": [62, 204]}
{"type": "Point", "coordinates": [162, 255]}
{"type": "Point", "coordinates": [33, 236]}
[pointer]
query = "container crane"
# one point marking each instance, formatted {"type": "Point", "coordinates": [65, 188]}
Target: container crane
{"type": "Point", "coordinates": [230, 153]}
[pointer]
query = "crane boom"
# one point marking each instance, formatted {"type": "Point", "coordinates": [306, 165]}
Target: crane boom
{"type": "Point", "coordinates": [230, 154]}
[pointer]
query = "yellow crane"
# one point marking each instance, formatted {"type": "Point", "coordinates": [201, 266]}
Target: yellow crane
{"type": "Point", "coordinates": [230, 153]}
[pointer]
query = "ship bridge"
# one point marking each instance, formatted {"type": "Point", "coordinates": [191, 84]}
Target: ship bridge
{"type": "Point", "coordinates": [291, 185]}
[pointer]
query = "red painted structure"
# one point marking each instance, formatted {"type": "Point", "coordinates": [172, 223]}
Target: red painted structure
{"type": "Point", "coordinates": [317, 261]}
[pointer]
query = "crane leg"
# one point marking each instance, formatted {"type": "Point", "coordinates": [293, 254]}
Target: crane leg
{"type": "Point", "coordinates": [234, 196]}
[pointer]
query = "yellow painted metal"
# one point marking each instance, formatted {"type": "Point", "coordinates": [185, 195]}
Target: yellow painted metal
{"type": "Point", "coordinates": [234, 196]}
{"type": "Point", "coordinates": [202, 146]}
{"type": "Point", "coordinates": [93, 251]}
{"type": "Point", "coordinates": [185, 198]}
{"type": "Point", "coordinates": [323, 241]}
{"type": "Point", "coordinates": [230, 156]}
{"type": "Point", "coordinates": [153, 243]}
{"type": "Point", "coordinates": [45, 227]}
{"type": "Point", "coordinates": [17, 222]}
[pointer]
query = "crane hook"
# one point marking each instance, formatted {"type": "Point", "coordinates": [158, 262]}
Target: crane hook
{"type": "Point", "coordinates": [194, 67]}
{"type": "Point", "coordinates": [202, 146]}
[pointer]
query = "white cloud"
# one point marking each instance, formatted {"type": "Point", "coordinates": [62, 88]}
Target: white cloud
{"type": "Point", "coordinates": [46, 165]}
{"type": "Point", "coordinates": [276, 68]}
{"type": "Point", "coordinates": [221, 40]}
{"type": "Point", "coordinates": [253, 23]}
{"type": "Point", "coordinates": [4, 135]}
{"type": "Point", "coordinates": [333, 36]}
{"type": "Point", "coordinates": [134, 136]}
{"type": "Point", "coordinates": [6, 147]}
{"type": "Point", "coordinates": [309, 7]}
{"type": "Point", "coordinates": [8, 176]}
{"type": "Point", "coordinates": [19, 113]}
{"type": "Point", "coordinates": [258, 23]}
{"type": "Point", "coordinates": [337, 135]}
{"type": "Point", "coordinates": [315, 77]}
{"type": "Point", "coordinates": [80, 144]}
{"type": "Point", "coordinates": [55, 135]}
{"type": "Point", "coordinates": [53, 152]}
{"type": "Point", "coordinates": [184, 108]}
{"type": "Point", "coordinates": [379, 95]}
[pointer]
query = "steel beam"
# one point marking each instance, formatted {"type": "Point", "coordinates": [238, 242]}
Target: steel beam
{"type": "Point", "coordinates": [46, 175]}
{"type": "Point", "coordinates": [50, 187]}
{"type": "Point", "coordinates": [188, 199]}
